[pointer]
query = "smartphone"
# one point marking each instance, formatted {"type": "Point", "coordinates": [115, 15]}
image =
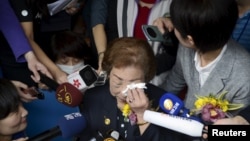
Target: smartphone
{"type": "Point", "coordinates": [101, 79]}
{"type": "Point", "coordinates": [34, 92]}
{"type": "Point", "coordinates": [152, 33]}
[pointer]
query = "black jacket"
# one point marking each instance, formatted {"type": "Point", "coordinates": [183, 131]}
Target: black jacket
{"type": "Point", "coordinates": [99, 105]}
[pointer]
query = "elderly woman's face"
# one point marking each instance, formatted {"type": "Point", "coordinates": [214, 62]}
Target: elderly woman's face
{"type": "Point", "coordinates": [121, 77]}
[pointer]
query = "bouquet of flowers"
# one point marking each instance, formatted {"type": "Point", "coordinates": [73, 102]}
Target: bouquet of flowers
{"type": "Point", "coordinates": [212, 107]}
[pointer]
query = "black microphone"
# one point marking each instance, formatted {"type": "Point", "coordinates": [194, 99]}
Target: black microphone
{"type": "Point", "coordinates": [68, 126]}
{"type": "Point", "coordinates": [48, 81]}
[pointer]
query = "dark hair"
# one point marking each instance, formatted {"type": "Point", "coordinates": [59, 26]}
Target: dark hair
{"type": "Point", "coordinates": [9, 98]}
{"type": "Point", "coordinates": [209, 22]}
{"type": "Point", "coordinates": [70, 44]}
{"type": "Point", "coordinates": [40, 6]}
{"type": "Point", "coordinates": [129, 51]}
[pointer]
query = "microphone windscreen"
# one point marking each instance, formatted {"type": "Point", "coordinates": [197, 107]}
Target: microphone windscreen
{"type": "Point", "coordinates": [171, 104]}
{"type": "Point", "coordinates": [180, 124]}
{"type": "Point", "coordinates": [69, 95]}
{"type": "Point", "coordinates": [72, 124]}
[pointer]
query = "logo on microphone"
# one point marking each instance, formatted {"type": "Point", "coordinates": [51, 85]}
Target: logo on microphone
{"type": "Point", "coordinates": [109, 139]}
{"type": "Point", "coordinates": [64, 96]}
{"type": "Point", "coordinates": [168, 104]}
{"type": "Point", "coordinates": [76, 83]}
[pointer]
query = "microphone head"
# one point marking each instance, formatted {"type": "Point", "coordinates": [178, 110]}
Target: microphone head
{"type": "Point", "coordinates": [69, 95]}
{"type": "Point", "coordinates": [176, 123]}
{"type": "Point", "coordinates": [171, 104]}
{"type": "Point", "coordinates": [72, 124]}
{"type": "Point", "coordinates": [84, 78]}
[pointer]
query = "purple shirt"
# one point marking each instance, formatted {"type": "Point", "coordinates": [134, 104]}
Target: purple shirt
{"type": "Point", "coordinates": [13, 31]}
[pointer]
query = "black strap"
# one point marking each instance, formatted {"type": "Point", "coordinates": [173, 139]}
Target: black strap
{"type": "Point", "coordinates": [124, 18]}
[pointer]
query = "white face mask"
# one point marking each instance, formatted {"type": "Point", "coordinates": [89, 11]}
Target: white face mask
{"type": "Point", "coordinates": [71, 69]}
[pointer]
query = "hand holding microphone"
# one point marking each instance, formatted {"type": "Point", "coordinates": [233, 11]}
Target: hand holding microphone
{"type": "Point", "coordinates": [177, 117]}
{"type": "Point", "coordinates": [176, 123]}
{"type": "Point", "coordinates": [66, 93]}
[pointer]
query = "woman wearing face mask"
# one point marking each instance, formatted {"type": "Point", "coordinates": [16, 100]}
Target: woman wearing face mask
{"type": "Point", "coordinates": [70, 51]}
{"type": "Point", "coordinates": [12, 113]}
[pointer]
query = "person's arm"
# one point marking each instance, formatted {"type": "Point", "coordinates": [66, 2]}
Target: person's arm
{"type": "Point", "coordinates": [245, 113]}
{"type": "Point", "coordinates": [20, 88]}
{"type": "Point", "coordinates": [56, 72]}
{"type": "Point", "coordinates": [243, 118]}
{"type": "Point", "coordinates": [164, 23]}
{"type": "Point", "coordinates": [98, 19]}
{"type": "Point", "coordinates": [100, 40]}
{"type": "Point", "coordinates": [13, 32]}
{"type": "Point", "coordinates": [15, 36]}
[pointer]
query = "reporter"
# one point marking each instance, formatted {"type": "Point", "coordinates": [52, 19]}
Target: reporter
{"type": "Point", "coordinates": [12, 114]}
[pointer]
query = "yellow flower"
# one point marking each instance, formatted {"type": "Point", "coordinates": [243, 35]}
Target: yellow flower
{"type": "Point", "coordinates": [213, 107]}
{"type": "Point", "coordinates": [218, 102]}
{"type": "Point", "coordinates": [126, 110]}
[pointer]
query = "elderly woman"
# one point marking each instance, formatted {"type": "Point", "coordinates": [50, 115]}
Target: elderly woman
{"type": "Point", "coordinates": [117, 108]}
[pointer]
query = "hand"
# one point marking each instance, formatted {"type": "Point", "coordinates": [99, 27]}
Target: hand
{"type": "Point", "coordinates": [22, 139]}
{"type": "Point", "coordinates": [237, 120]}
{"type": "Point", "coordinates": [138, 101]}
{"type": "Point", "coordinates": [73, 8]}
{"type": "Point", "coordinates": [60, 76]}
{"type": "Point", "coordinates": [35, 66]}
{"type": "Point", "coordinates": [24, 96]}
{"type": "Point", "coordinates": [204, 135]}
{"type": "Point", "coordinates": [100, 59]}
{"type": "Point", "coordinates": [163, 24]}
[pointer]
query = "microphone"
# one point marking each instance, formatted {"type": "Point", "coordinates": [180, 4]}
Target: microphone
{"type": "Point", "coordinates": [173, 105]}
{"type": "Point", "coordinates": [68, 126]}
{"type": "Point", "coordinates": [110, 135]}
{"type": "Point", "coordinates": [83, 79]}
{"type": "Point", "coordinates": [48, 81]}
{"type": "Point", "coordinates": [176, 123]}
{"type": "Point", "coordinates": [66, 93]}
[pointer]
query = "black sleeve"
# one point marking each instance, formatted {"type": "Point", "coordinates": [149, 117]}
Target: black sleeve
{"type": "Point", "coordinates": [245, 113]}
{"type": "Point", "coordinates": [22, 10]}
{"type": "Point", "coordinates": [156, 133]}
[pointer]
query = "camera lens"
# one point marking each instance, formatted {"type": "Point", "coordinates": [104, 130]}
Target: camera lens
{"type": "Point", "coordinates": [151, 32]}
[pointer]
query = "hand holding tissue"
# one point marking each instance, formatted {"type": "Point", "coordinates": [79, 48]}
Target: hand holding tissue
{"type": "Point", "coordinates": [133, 86]}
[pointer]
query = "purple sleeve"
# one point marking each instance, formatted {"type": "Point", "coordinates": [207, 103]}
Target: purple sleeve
{"type": "Point", "coordinates": [13, 32]}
